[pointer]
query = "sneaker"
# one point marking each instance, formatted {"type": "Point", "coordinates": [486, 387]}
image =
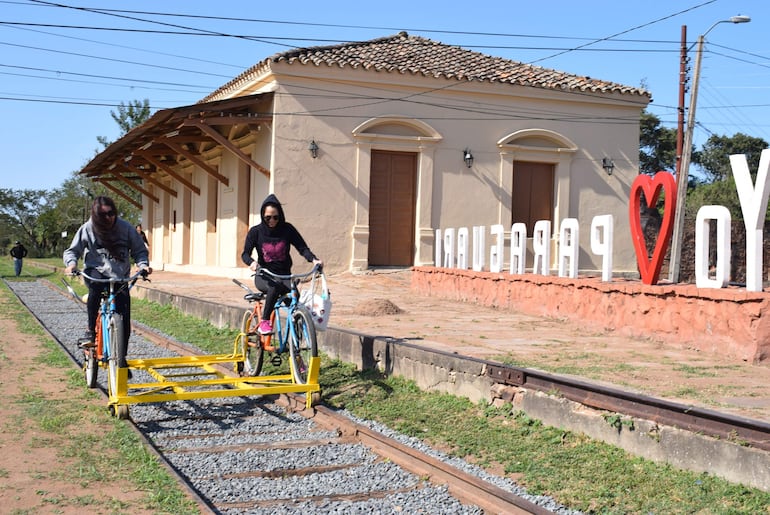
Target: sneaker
{"type": "Point", "coordinates": [265, 327]}
{"type": "Point", "coordinates": [87, 341]}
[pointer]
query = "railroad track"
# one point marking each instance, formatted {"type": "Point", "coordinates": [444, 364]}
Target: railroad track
{"type": "Point", "coordinates": [245, 430]}
{"type": "Point", "coordinates": [267, 455]}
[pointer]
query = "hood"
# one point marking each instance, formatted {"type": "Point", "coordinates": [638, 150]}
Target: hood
{"type": "Point", "coordinates": [272, 200]}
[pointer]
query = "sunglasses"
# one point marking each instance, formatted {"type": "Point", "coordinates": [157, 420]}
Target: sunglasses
{"type": "Point", "coordinates": [273, 217]}
{"type": "Point", "coordinates": [107, 214]}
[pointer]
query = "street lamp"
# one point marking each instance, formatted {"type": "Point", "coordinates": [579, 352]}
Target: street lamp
{"type": "Point", "coordinates": [684, 164]}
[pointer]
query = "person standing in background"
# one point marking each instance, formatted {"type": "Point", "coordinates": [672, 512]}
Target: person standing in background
{"type": "Point", "coordinates": [144, 236]}
{"type": "Point", "coordinates": [18, 253]}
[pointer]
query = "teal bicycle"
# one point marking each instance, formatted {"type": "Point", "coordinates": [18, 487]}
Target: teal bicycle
{"type": "Point", "coordinates": [109, 348]}
{"type": "Point", "coordinates": [293, 329]}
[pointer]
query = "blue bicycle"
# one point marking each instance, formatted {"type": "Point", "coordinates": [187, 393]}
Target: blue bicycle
{"type": "Point", "coordinates": [293, 330]}
{"type": "Point", "coordinates": [109, 349]}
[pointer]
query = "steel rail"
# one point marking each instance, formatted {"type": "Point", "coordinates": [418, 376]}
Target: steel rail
{"type": "Point", "coordinates": [754, 433]}
{"type": "Point", "coordinates": [467, 488]}
{"type": "Point", "coordinates": [203, 504]}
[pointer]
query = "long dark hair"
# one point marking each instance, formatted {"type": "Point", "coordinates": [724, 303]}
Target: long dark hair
{"type": "Point", "coordinates": [103, 225]}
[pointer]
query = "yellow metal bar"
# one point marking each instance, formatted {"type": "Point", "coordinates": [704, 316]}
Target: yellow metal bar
{"type": "Point", "coordinates": [177, 361]}
{"type": "Point", "coordinates": [210, 394]}
{"type": "Point", "coordinates": [312, 379]}
{"type": "Point", "coordinates": [172, 386]}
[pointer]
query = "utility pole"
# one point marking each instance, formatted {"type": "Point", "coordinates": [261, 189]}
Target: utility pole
{"type": "Point", "coordinates": [684, 163]}
{"type": "Point", "coordinates": [680, 109]}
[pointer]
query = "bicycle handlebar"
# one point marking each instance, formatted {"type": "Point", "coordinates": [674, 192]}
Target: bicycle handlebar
{"type": "Point", "coordinates": [140, 273]}
{"type": "Point", "coordinates": [264, 271]}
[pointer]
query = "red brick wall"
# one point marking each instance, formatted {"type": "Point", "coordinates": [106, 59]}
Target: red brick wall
{"type": "Point", "coordinates": [728, 321]}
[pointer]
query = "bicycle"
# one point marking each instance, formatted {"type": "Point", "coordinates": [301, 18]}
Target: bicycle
{"type": "Point", "coordinates": [298, 337]}
{"type": "Point", "coordinates": [108, 350]}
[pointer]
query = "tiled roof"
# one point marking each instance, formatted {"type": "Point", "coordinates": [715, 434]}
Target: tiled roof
{"type": "Point", "coordinates": [402, 53]}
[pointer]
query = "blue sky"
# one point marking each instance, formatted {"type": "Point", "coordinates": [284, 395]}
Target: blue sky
{"type": "Point", "coordinates": [58, 85]}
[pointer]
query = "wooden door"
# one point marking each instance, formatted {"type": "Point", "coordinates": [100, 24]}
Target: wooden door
{"type": "Point", "coordinates": [532, 197]}
{"type": "Point", "coordinates": [392, 187]}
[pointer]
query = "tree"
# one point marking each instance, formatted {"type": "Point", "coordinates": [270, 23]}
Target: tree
{"type": "Point", "coordinates": [127, 117]}
{"type": "Point", "coordinates": [19, 213]}
{"type": "Point", "coordinates": [714, 157]}
{"type": "Point", "coordinates": [132, 115]}
{"type": "Point", "coordinates": [714, 161]}
{"type": "Point", "coordinates": [657, 145]}
{"type": "Point", "coordinates": [39, 218]}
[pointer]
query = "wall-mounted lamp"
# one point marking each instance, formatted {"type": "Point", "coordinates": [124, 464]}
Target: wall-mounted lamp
{"type": "Point", "coordinates": [313, 148]}
{"type": "Point", "coordinates": [468, 158]}
{"type": "Point", "coordinates": [608, 165]}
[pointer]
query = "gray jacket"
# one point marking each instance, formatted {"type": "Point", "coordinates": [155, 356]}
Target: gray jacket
{"type": "Point", "coordinates": [85, 245]}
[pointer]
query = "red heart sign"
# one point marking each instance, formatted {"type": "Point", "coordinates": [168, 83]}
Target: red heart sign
{"type": "Point", "coordinates": [649, 268]}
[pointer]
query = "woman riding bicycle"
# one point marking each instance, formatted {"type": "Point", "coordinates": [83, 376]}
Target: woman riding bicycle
{"type": "Point", "coordinates": [106, 242]}
{"type": "Point", "coordinates": [272, 239]}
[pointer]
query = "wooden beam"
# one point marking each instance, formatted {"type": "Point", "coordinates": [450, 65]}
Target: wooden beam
{"type": "Point", "coordinates": [147, 176]}
{"type": "Point", "coordinates": [198, 161]}
{"type": "Point", "coordinates": [229, 119]}
{"type": "Point", "coordinates": [160, 165]}
{"type": "Point", "coordinates": [109, 186]}
{"type": "Point", "coordinates": [226, 143]}
{"type": "Point", "coordinates": [131, 183]}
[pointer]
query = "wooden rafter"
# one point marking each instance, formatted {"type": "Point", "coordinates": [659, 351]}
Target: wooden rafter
{"type": "Point", "coordinates": [226, 143]}
{"type": "Point", "coordinates": [147, 176]}
{"type": "Point", "coordinates": [132, 184]}
{"type": "Point", "coordinates": [231, 119]}
{"type": "Point", "coordinates": [198, 161]}
{"type": "Point", "coordinates": [109, 186]}
{"type": "Point", "coordinates": [160, 165]}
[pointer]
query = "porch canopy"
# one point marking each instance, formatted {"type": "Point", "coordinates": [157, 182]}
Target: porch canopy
{"type": "Point", "coordinates": [156, 149]}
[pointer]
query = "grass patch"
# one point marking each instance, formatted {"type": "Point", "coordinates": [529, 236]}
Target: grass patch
{"type": "Point", "coordinates": [601, 478]}
{"type": "Point", "coordinates": [184, 328]}
{"type": "Point", "coordinates": [579, 472]}
{"type": "Point", "coordinates": [691, 371]}
{"type": "Point", "coordinates": [94, 446]}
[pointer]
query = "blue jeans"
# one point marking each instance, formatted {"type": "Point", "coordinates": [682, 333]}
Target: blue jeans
{"type": "Point", "coordinates": [17, 266]}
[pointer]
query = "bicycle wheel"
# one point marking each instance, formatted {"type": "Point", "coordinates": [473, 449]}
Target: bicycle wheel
{"type": "Point", "coordinates": [302, 345]}
{"type": "Point", "coordinates": [251, 345]}
{"type": "Point", "coordinates": [116, 354]}
{"type": "Point", "coordinates": [90, 368]}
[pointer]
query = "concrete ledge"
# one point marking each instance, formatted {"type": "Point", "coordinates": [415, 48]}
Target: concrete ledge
{"type": "Point", "coordinates": [663, 444]}
{"type": "Point", "coordinates": [463, 376]}
{"type": "Point", "coordinates": [218, 315]}
{"type": "Point", "coordinates": [729, 321]}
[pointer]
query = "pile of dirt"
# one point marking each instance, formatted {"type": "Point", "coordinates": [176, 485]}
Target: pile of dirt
{"type": "Point", "coordinates": [377, 307]}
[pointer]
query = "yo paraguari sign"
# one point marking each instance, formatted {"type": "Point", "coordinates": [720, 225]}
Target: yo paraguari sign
{"type": "Point", "coordinates": [753, 199]}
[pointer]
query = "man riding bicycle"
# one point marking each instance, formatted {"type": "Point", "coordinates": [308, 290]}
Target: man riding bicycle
{"type": "Point", "coordinates": [106, 242]}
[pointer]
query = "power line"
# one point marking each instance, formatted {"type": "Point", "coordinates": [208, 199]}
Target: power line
{"type": "Point", "coordinates": [115, 45]}
{"type": "Point", "coordinates": [625, 31]}
{"type": "Point", "coordinates": [110, 59]}
{"type": "Point", "coordinates": [145, 81]}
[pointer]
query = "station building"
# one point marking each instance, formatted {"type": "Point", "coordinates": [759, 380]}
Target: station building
{"type": "Point", "coordinates": [371, 146]}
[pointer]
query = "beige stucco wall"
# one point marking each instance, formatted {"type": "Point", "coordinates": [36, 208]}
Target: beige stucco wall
{"type": "Point", "coordinates": [327, 198]}
{"type": "Point", "coordinates": [450, 194]}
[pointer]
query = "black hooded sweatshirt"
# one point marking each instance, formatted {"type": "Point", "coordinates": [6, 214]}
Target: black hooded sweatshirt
{"type": "Point", "coordinates": [273, 246]}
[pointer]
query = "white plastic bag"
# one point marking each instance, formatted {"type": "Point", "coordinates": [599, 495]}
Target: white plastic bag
{"type": "Point", "coordinates": [318, 301]}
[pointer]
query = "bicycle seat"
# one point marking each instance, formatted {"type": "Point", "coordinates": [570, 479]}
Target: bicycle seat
{"type": "Point", "coordinates": [253, 297]}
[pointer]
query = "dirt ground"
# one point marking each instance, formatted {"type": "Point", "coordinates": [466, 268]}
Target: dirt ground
{"type": "Point", "coordinates": [381, 303]}
{"type": "Point", "coordinates": [38, 471]}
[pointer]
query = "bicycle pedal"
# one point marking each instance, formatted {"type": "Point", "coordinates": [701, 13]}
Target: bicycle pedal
{"type": "Point", "coordinates": [86, 344]}
{"type": "Point", "coordinates": [276, 360]}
